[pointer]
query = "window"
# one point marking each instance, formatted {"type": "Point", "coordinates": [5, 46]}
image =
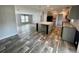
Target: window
{"type": "Point", "coordinates": [24, 18]}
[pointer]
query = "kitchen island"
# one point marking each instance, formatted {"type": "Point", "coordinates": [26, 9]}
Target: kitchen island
{"type": "Point", "coordinates": [71, 32]}
{"type": "Point", "coordinates": [68, 32]}
{"type": "Point", "coordinates": [45, 26]}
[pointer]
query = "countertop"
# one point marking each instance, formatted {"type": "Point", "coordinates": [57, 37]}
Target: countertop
{"type": "Point", "coordinates": [76, 25]}
{"type": "Point", "coordinates": [72, 25]}
{"type": "Point", "coordinates": [69, 25]}
{"type": "Point", "coordinates": [46, 23]}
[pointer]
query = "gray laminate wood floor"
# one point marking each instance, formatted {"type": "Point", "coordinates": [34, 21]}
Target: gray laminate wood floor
{"type": "Point", "coordinates": [30, 41]}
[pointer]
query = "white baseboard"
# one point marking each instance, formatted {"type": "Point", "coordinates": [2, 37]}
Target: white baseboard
{"type": "Point", "coordinates": [7, 36]}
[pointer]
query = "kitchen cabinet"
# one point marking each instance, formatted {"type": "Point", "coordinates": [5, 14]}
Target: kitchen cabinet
{"type": "Point", "coordinates": [68, 33]}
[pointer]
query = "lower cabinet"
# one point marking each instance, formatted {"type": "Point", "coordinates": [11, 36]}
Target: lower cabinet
{"type": "Point", "coordinates": [68, 34]}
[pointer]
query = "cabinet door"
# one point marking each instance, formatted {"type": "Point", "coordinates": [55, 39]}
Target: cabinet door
{"type": "Point", "coordinates": [68, 34]}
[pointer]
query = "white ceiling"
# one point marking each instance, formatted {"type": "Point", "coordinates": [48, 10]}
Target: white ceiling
{"type": "Point", "coordinates": [44, 7]}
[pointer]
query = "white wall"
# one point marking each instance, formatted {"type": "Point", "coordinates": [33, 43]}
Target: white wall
{"type": "Point", "coordinates": [29, 10]}
{"type": "Point", "coordinates": [7, 21]}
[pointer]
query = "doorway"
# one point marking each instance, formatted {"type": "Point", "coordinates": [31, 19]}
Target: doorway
{"type": "Point", "coordinates": [24, 21]}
